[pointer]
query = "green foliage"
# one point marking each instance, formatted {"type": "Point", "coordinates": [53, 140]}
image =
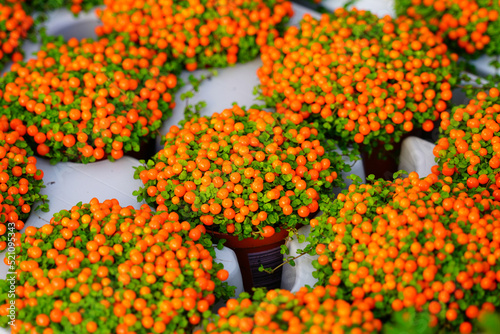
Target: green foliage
{"type": "Point", "coordinates": [471, 128]}
{"type": "Point", "coordinates": [450, 20]}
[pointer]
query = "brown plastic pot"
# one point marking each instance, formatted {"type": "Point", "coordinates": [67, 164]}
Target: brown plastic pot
{"type": "Point", "coordinates": [381, 167]}
{"type": "Point", "coordinates": [252, 253]}
{"type": "Point", "coordinates": [383, 163]}
{"type": "Point", "coordinates": [146, 152]}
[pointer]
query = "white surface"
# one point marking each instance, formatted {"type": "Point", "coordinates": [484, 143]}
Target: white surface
{"type": "Point", "coordinates": [295, 277]}
{"type": "Point", "coordinates": [483, 66]}
{"type": "Point", "coordinates": [219, 92]}
{"type": "Point", "coordinates": [68, 183]}
{"type": "Point", "coordinates": [228, 258]}
{"type": "Point", "coordinates": [63, 22]}
{"type": "Point", "coordinates": [416, 156]}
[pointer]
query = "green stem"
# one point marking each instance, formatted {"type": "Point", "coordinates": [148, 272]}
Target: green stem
{"type": "Point", "coordinates": [270, 271]}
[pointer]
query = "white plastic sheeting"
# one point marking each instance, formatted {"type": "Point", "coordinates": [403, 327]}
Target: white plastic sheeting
{"type": "Point", "coordinates": [416, 156]}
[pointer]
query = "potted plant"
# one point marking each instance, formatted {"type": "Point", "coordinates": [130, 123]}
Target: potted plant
{"type": "Point", "coordinates": [198, 34]}
{"type": "Point", "coordinates": [313, 310]}
{"type": "Point", "coordinates": [20, 180]}
{"type": "Point", "coordinates": [16, 24]}
{"type": "Point", "coordinates": [87, 100]}
{"type": "Point", "coordinates": [100, 267]}
{"type": "Point", "coordinates": [420, 243]}
{"type": "Point", "coordinates": [241, 172]}
{"type": "Point", "coordinates": [366, 81]}
{"type": "Point", "coordinates": [246, 174]}
{"type": "Point", "coordinates": [467, 148]}
{"type": "Point", "coordinates": [470, 27]}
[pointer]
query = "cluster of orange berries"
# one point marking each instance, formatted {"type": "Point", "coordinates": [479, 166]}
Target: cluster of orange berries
{"type": "Point", "coordinates": [16, 24]}
{"type": "Point", "coordinates": [470, 25]}
{"type": "Point", "coordinates": [314, 310]}
{"type": "Point", "coordinates": [469, 145]}
{"type": "Point", "coordinates": [87, 100]}
{"type": "Point", "coordinates": [20, 180]}
{"type": "Point", "coordinates": [198, 33]}
{"type": "Point", "coordinates": [242, 172]}
{"type": "Point", "coordinates": [366, 80]}
{"type": "Point", "coordinates": [101, 267]}
{"type": "Point", "coordinates": [423, 243]}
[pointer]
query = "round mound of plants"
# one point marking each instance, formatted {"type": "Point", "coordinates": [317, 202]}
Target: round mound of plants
{"type": "Point", "coordinates": [366, 80]}
{"type": "Point", "coordinates": [427, 244]}
{"type": "Point", "coordinates": [87, 100]}
{"type": "Point", "coordinates": [470, 26]}
{"type": "Point", "coordinates": [104, 268]}
{"type": "Point", "coordinates": [314, 310]}
{"type": "Point", "coordinates": [198, 33]}
{"type": "Point", "coordinates": [247, 173]}
{"type": "Point", "coordinates": [15, 24]}
{"type": "Point", "coordinates": [469, 146]}
{"type": "Point", "coordinates": [20, 180]}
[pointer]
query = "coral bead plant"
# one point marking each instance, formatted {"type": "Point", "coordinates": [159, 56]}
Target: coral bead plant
{"type": "Point", "coordinates": [15, 24]}
{"type": "Point", "coordinates": [470, 26]}
{"type": "Point", "coordinates": [87, 100]}
{"type": "Point", "coordinates": [20, 180]}
{"type": "Point", "coordinates": [248, 173]}
{"type": "Point", "coordinates": [198, 33]}
{"type": "Point", "coordinates": [468, 148]}
{"type": "Point", "coordinates": [104, 268]}
{"type": "Point", "coordinates": [366, 80]}
{"type": "Point", "coordinates": [306, 311]}
{"type": "Point", "coordinates": [427, 244]}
